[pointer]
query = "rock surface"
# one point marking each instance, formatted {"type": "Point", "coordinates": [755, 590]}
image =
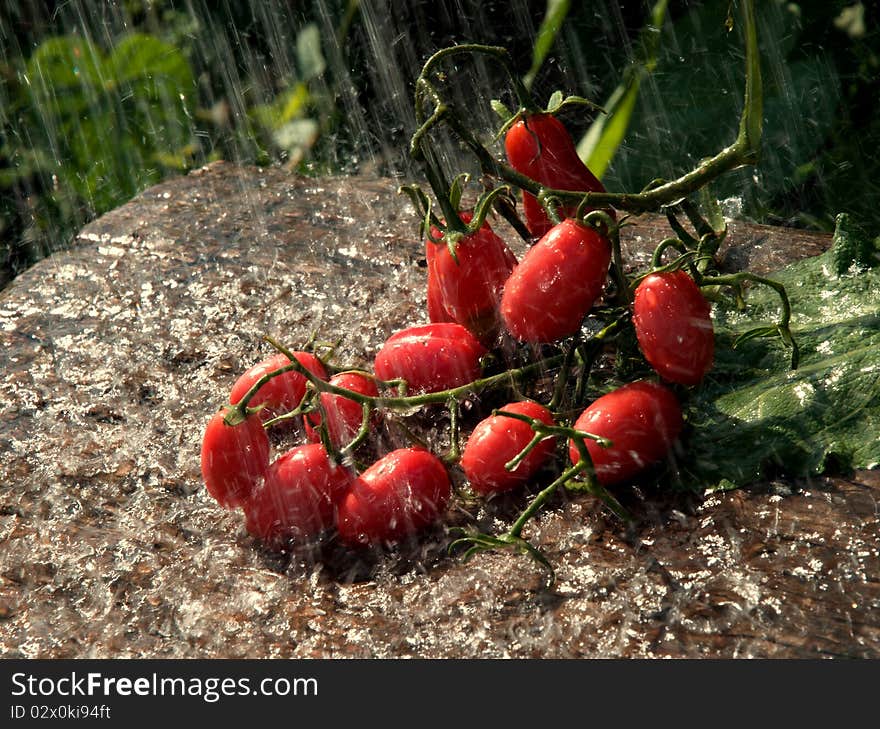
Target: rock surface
{"type": "Point", "coordinates": [117, 351]}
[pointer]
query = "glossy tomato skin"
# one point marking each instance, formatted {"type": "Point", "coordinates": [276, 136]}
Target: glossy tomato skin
{"type": "Point", "coordinates": [281, 394]}
{"type": "Point", "coordinates": [398, 495]}
{"type": "Point", "coordinates": [641, 419]}
{"type": "Point", "coordinates": [437, 312]}
{"type": "Point", "coordinates": [467, 290]}
{"type": "Point", "coordinates": [235, 459]}
{"type": "Point", "coordinates": [431, 357]}
{"type": "Point", "coordinates": [298, 498]}
{"type": "Point", "coordinates": [498, 439]}
{"type": "Point", "coordinates": [556, 283]}
{"type": "Point", "coordinates": [540, 147]}
{"type": "Point", "coordinates": [344, 416]}
{"type": "Point", "coordinates": [674, 327]}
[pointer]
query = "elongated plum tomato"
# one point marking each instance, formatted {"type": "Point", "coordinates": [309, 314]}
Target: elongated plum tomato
{"type": "Point", "coordinates": [674, 327]}
{"type": "Point", "coordinates": [281, 394]}
{"type": "Point", "coordinates": [298, 498]}
{"type": "Point", "coordinates": [235, 459]}
{"type": "Point", "coordinates": [556, 283]}
{"type": "Point", "coordinates": [642, 421]}
{"type": "Point", "coordinates": [431, 357]}
{"type": "Point", "coordinates": [398, 495]}
{"type": "Point", "coordinates": [539, 146]}
{"type": "Point", "coordinates": [497, 440]}
{"type": "Point", "coordinates": [344, 416]}
{"type": "Point", "coordinates": [469, 288]}
{"type": "Point", "coordinates": [436, 309]}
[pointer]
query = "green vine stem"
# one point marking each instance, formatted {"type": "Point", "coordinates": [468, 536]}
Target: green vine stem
{"type": "Point", "coordinates": [238, 412]}
{"type": "Point", "coordinates": [361, 435]}
{"type": "Point", "coordinates": [664, 245]}
{"type": "Point", "coordinates": [782, 328]}
{"type": "Point", "coordinates": [498, 53]}
{"type": "Point", "coordinates": [454, 431]}
{"type": "Point", "coordinates": [745, 150]}
{"type": "Point", "coordinates": [512, 538]}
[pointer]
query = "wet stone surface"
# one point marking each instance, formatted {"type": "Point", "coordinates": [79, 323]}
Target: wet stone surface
{"type": "Point", "coordinates": [116, 352]}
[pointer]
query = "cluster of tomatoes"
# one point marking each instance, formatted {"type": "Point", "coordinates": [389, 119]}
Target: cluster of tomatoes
{"type": "Point", "coordinates": [478, 295]}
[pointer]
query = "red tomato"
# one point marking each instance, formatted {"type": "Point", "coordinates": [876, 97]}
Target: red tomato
{"type": "Point", "coordinates": [540, 147]}
{"type": "Point", "coordinates": [344, 416]}
{"type": "Point", "coordinates": [234, 458]}
{"type": "Point", "coordinates": [642, 421]}
{"type": "Point", "coordinates": [281, 394]}
{"type": "Point", "coordinates": [298, 499]}
{"type": "Point", "coordinates": [431, 357]}
{"type": "Point", "coordinates": [674, 327]}
{"type": "Point", "coordinates": [436, 309]}
{"type": "Point", "coordinates": [398, 495]}
{"type": "Point", "coordinates": [556, 283]}
{"type": "Point", "coordinates": [498, 439]}
{"type": "Point", "coordinates": [469, 289]}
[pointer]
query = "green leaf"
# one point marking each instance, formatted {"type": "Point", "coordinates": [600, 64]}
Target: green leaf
{"type": "Point", "coordinates": [106, 123]}
{"type": "Point", "coordinates": [605, 135]}
{"type": "Point", "coordinates": [62, 76]}
{"type": "Point", "coordinates": [851, 246]}
{"type": "Point", "coordinates": [754, 415]}
{"type": "Point", "coordinates": [599, 145]}
{"type": "Point", "coordinates": [289, 104]}
{"type": "Point", "coordinates": [554, 17]}
{"type": "Point", "coordinates": [310, 59]}
{"type": "Point", "coordinates": [154, 68]}
{"type": "Point", "coordinates": [500, 110]}
{"type": "Point", "coordinates": [554, 102]}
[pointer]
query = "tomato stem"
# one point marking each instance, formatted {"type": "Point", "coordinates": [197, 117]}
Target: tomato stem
{"type": "Point", "coordinates": [783, 326]}
{"type": "Point", "coordinates": [745, 150]}
{"type": "Point", "coordinates": [498, 53]}
{"type": "Point", "coordinates": [454, 431]}
{"type": "Point", "coordinates": [406, 402]}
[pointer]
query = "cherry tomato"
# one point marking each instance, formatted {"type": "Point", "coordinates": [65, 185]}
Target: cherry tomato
{"type": "Point", "coordinates": [398, 495]}
{"type": "Point", "coordinates": [281, 394]}
{"type": "Point", "coordinates": [298, 498]}
{"type": "Point", "coordinates": [431, 357]}
{"type": "Point", "coordinates": [344, 416]}
{"type": "Point", "coordinates": [642, 421]}
{"type": "Point", "coordinates": [674, 327]}
{"type": "Point", "coordinates": [556, 283]}
{"type": "Point", "coordinates": [469, 289]}
{"type": "Point", "coordinates": [540, 147]}
{"type": "Point", "coordinates": [436, 309]}
{"type": "Point", "coordinates": [234, 458]}
{"type": "Point", "coordinates": [498, 439]}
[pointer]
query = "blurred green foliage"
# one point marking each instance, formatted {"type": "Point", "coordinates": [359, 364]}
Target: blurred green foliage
{"type": "Point", "coordinates": [100, 100]}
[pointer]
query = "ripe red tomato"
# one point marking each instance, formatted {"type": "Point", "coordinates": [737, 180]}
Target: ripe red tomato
{"type": "Point", "coordinates": [469, 289]}
{"type": "Point", "coordinates": [398, 495]}
{"type": "Point", "coordinates": [436, 309]}
{"type": "Point", "coordinates": [298, 498]}
{"type": "Point", "coordinates": [674, 327]}
{"type": "Point", "coordinates": [642, 421]}
{"type": "Point", "coordinates": [498, 439]}
{"type": "Point", "coordinates": [281, 394]}
{"type": "Point", "coordinates": [556, 283]}
{"type": "Point", "coordinates": [431, 357]}
{"type": "Point", "coordinates": [344, 416]}
{"type": "Point", "coordinates": [234, 458]}
{"type": "Point", "coordinates": [539, 146]}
